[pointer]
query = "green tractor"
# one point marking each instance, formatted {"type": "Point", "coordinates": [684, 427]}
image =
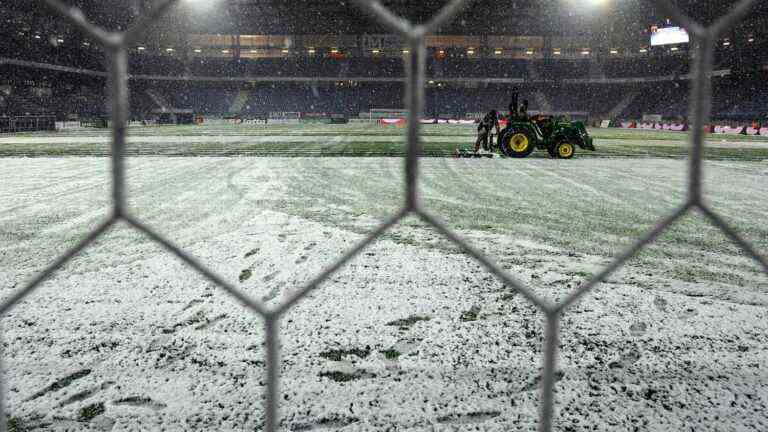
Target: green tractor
{"type": "Point", "coordinates": [558, 137]}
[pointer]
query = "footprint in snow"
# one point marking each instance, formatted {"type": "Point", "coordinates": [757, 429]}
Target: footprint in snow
{"type": "Point", "coordinates": [141, 402]}
{"type": "Point", "coordinates": [86, 394]}
{"type": "Point", "coordinates": [626, 360]}
{"type": "Point", "coordinates": [638, 328]}
{"type": "Point", "coordinates": [245, 275]}
{"type": "Point", "coordinates": [60, 384]}
{"type": "Point", "coordinates": [191, 303]}
{"type": "Point", "coordinates": [688, 312]}
{"type": "Point", "coordinates": [270, 276]}
{"type": "Point", "coordinates": [271, 295]}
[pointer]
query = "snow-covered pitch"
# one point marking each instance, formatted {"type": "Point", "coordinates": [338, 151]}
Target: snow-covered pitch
{"type": "Point", "coordinates": [412, 334]}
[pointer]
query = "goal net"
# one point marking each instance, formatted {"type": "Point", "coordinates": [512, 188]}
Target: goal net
{"type": "Point", "coordinates": [290, 117]}
{"type": "Point", "coordinates": [377, 114]}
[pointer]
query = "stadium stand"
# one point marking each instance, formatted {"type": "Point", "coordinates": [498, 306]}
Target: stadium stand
{"type": "Point", "coordinates": [67, 96]}
{"type": "Point", "coordinates": [618, 84]}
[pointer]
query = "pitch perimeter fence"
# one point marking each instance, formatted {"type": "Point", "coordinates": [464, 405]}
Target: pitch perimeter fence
{"type": "Point", "coordinates": [117, 44]}
{"type": "Point", "coordinates": [27, 124]}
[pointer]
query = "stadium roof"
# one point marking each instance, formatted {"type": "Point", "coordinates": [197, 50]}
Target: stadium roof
{"type": "Point", "coordinates": [516, 17]}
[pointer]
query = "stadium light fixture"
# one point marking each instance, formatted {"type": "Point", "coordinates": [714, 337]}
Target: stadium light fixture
{"type": "Point", "coordinates": [201, 6]}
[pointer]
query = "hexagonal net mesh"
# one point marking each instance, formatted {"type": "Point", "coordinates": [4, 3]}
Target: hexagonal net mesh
{"type": "Point", "coordinates": [117, 44]}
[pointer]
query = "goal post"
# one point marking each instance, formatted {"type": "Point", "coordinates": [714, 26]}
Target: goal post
{"type": "Point", "coordinates": [377, 114]}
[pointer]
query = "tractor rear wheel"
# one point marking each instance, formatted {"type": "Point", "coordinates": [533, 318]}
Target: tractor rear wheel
{"type": "Point", "coordinates": [564, 150]}
{"type": "Point", "coordinates": [517, 144]}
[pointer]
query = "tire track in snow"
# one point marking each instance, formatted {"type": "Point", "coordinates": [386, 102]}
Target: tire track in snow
{"type": "Point", "coordinates": [578, 185]}
{"type": "Point", "coordinates": [133, 173]}
{"type": "Point", "coordinates": [126, 241]}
